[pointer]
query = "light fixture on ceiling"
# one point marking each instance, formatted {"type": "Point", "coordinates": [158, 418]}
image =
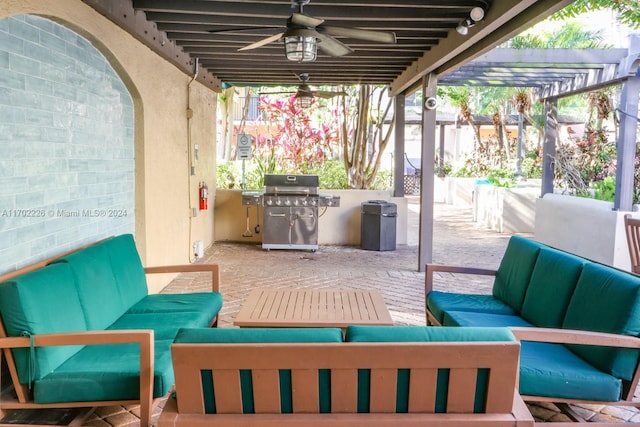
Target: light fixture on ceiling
{"type": "Point", "coordinates": [300, 45]}
{"type": "Point", "coordinates": [463, 27]}
{"type": "Point", "coordinates": [304, 96]}
{"type": "Point", "coordinates": [303, 101]}
{"type": "Point", "coordinates": [476, 15]}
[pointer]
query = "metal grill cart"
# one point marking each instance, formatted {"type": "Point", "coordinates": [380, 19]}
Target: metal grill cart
{"type": "Point", "coordinates": [290, 210]}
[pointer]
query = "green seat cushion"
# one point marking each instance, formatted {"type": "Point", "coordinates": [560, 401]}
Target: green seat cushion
{"type": "Point", "coordinates": [164, 325]}
{"type": "Point", "coordinates": [99, 293]}
{"type": "Point", "coordinates": [423, 334]}
{"type": "Point", "coordinates": [262, 335]}
{"type": "Point", "coordinates": [208, 303]}
{"type": "Point", "coordinates": [127, 268]}
{"type": "Point", "coordinates": [553, 370]}
{"type": "Point", "coordinates": [42, 301]}
{"type": "Point", "coordinates": [105, 372]}
{"type": "Point", "coordinates": [552, 283]}
{"type": "Point", "coordinates": [606, 300]}
{"type": "Point", "coordinates": [466, 318]}
{"type": "Point", "coordinates": [440, 302]}
{"type": "Point", "coordinates": [514, 272]}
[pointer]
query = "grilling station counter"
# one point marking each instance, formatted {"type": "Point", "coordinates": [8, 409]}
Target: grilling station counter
{"type": "Point", "coordinates": [290, 211]}
{"type": "Point", "coordinates": [337, 225]}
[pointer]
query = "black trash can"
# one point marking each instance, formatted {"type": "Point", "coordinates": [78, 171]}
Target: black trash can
{"type": "Point", "coordinates": [378, 229]}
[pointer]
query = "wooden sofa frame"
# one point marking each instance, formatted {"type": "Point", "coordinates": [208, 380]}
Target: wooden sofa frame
{"type": "Point", "coordinates": [504, 407]}
{"type": "Point", "coordinates": [18, 396]}
{"type": "Point", "coordinates": [550, 335]}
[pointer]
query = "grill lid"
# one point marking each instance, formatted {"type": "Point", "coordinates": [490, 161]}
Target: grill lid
{"type": "Point", "coordinates": [303, 185]}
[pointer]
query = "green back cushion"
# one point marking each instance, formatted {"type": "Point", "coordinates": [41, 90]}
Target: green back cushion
{"type": "Point", "coordinates": [512, 277]}
{"type": "Point", "coordinates": [97, 288]}
{"type": "Point", "coordinates": [552, 283]}
{"type": "Point", "coordinates": [262, 335]}
{"type": "Point", "coordinates": [606, 300]}
{"type": "Point", "coordinates": [42, 301]}
{"type": "Point", "coordinates": [423, 334]}
{"type": "Point", "coordinates": [127, 268]}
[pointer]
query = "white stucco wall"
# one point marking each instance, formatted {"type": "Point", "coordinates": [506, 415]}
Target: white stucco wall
{"type": "Point", "coordinates": [586, 227]}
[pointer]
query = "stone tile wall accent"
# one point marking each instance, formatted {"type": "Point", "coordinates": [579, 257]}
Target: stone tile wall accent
{"type": "Point", "coordinates": [66, 143]}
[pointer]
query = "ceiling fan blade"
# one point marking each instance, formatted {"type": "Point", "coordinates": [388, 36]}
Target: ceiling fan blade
{"type": "Point", "coordinates": [290, 92]}
{"type": "Point", "coordinates": [262, 42]}
{"type": "Point", "coordinates": [357, 33]}
{"type": "Point", "coordinates": [327, 94]}
{"type": "Point", "coordinates": [305, 21]}
{"type": "Point", "coordinates": [332, 46]}
{"type": "Point", "coordinates": [243, 29]}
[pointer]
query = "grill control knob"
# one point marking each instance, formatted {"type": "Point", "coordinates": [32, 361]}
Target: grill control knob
{"type": "Point", "coordinates": [304, 202]}
{"type": "Point", "coordinates": [269, 202]}
{"type": "Point", "coordinates": [278, 202]}
{"type": "Point", "coordinates": [295, 202]}
{"type": "Point", "coordinates": [287, 202]}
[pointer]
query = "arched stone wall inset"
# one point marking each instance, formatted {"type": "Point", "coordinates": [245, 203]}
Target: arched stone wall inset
{"type": "Point", "coordinates": [67, 171]}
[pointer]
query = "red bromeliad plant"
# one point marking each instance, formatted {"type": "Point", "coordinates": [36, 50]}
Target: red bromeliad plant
{"type": "Point", "coordinates": [298, 137]}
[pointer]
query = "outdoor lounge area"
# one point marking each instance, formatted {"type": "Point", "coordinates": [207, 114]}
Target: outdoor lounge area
{"type": "Point", "coordinates": [457, 240]}
{"type": "Point", "coordinates": [121, 306]}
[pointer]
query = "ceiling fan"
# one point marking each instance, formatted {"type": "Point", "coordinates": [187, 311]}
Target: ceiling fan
{"type": "Point", "coordinates": [304, 94]}
{"type": "Point", "coordinates": [304, 33]}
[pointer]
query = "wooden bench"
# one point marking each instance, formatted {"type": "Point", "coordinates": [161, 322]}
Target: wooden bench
{"type": "Point", "coordinates": [344, 383]}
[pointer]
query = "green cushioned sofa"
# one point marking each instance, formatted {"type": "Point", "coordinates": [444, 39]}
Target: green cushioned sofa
{"type": "Point", "coordinates": [578, 320]}
{"type": "Point", "coordinates": [374, 376]}
{"type": "Point", "coordinates": [83, 328]}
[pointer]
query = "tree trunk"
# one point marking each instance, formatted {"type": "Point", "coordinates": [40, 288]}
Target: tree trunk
{"type": "Point", "coordinates": [362, 149]}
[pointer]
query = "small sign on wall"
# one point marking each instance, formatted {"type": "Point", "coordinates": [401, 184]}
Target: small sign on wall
{"type": "Point", "coordinates": [244, 150]}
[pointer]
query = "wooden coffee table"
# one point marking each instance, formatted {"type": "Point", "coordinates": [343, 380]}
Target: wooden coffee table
{"type": "Point", "coordinates": [313, 308]}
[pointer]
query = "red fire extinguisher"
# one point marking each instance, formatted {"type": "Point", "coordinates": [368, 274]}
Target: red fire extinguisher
{"type": "Point", "coordinates": [204, 196]}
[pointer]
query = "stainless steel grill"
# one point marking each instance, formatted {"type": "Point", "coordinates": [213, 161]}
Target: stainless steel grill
{"type": "Point", "coordinates": [290, 214]}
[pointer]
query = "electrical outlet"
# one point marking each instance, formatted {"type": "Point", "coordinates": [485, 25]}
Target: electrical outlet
{"type": "Point", "coordinates": [194, 212]}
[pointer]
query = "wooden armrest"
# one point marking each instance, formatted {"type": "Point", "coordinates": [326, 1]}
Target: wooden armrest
{"type": "Point", "coordinates": [573, 336]}
{"type": "Point", "coordinates": [137, 336]}
{"type": "Point", "coordinates": [214, 269]}
{"type": "Point", "coordinates": [432, 268]}
{"type": "Point", "coordinates": [142, 337]}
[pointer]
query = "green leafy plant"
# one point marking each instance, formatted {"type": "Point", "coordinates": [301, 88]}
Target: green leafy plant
{"type": "Point", "coordinates": [227, 175]}
{"type": "Point", "coordinates": [605, 189]}
{"type": "Point", "coordinates": [331, 174]}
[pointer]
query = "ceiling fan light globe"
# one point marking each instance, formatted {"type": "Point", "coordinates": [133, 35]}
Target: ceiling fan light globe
{"type": "Point", "coordinates": [301, 48]}
{"type": "Point", "coordinates": [476, 14]}
{"type": "Point", "coordinates": [303, 101]}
